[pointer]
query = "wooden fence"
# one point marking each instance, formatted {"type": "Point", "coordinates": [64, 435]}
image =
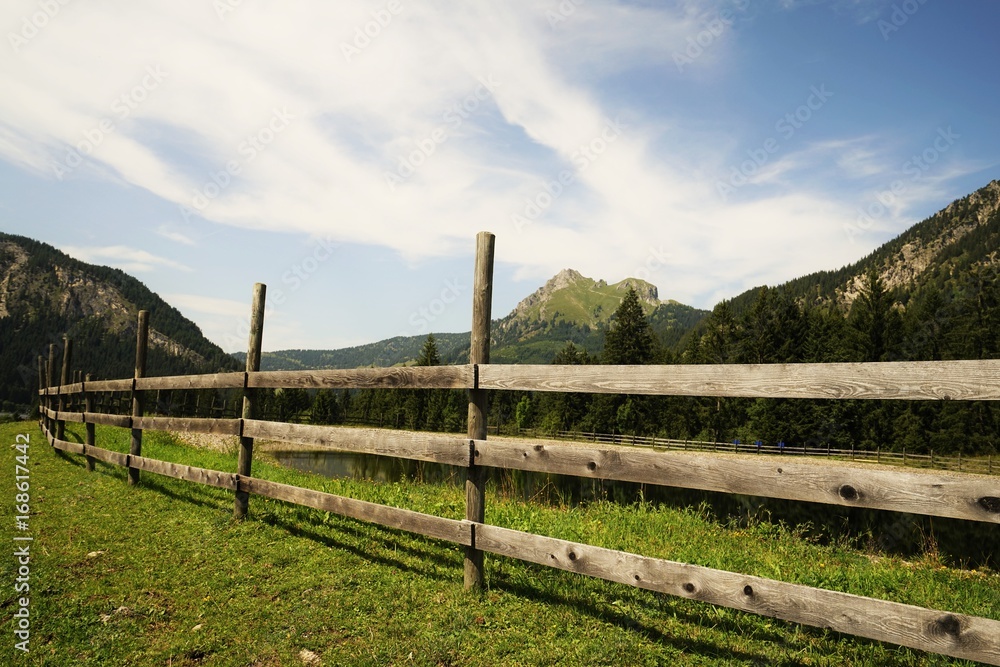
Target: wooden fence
{"type": "Point", "coordinates": [933, 493]}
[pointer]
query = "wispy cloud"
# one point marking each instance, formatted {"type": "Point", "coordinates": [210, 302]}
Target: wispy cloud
{"type": "Point", "coordinates": [131, 260]}
{"type": "Point", "coordinates": [412, 93]}
{"type": "Point", "coordinates": [167, 232]}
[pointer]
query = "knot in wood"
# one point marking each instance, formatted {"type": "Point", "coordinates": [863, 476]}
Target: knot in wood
{"type": "Point", "coordinates": [592, 466]}
{"type": "Point", "coordinates": [947, 625]}
{"type": "Point", "coordinates": [572, 555]}
{"type": "Point", "coordinates": [689, 587]}
{"type": "Point", "coordinates": [990, 504]}
{"type": "Point", "coordinates": [848, 492]}
{"type": "Point", "coordinates": [748, 590]}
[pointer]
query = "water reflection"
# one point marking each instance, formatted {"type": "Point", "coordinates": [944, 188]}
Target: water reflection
{"type": "Point", "coordinates": [960, 542]}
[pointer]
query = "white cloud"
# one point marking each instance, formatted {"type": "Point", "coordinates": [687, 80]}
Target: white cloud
{"type": "Point", "coordinates": [205, 127]}
{"type": "Point", "coordinates": [130, 260]}
{"type": "Point", "coordinates": [167, 232]}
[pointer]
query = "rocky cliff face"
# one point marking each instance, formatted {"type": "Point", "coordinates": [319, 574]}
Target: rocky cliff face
{"type": "Point", "coordinates": [45, 294]}
{"type": "Point", "coordinates": [920, 250]}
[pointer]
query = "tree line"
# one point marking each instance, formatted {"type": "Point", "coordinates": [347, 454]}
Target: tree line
{"type": "Point", "coordinates": [950, 318]}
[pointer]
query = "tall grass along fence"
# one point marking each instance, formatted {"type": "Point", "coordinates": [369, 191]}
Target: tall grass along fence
{"type": "Point", "coordinates": [933, 493]}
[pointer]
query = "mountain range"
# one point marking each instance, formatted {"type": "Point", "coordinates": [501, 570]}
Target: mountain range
{"type": "Point", "coordinates": [45, 294]}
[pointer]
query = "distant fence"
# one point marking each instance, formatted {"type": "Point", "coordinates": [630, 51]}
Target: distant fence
{"type": "Point", "coordinates": [942, 494]}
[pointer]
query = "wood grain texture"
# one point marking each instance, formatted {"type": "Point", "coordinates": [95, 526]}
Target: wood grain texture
{"type": "Point", "coordinates": [244, 458]}
{"type": "Point", "coordinates": [108, 420]}
{"type": "Point", "coordinates": [437, 448]}
{"type": "Point", "coordinates": [451, 530]}
{"type": "Point", "coordinates": [68, 416]}
{"type": "Point", "coordinates": [222, 480]}
{"type": "Point", "coordinates": [917, 380]}
{"type": "Point", "coordinates": [188, 425]}
{"type": "Point", "coordinates": [956, 635]}
{"type": "Point", "coordinates": [209, 381]}
{"type": "Point", "coordinates": [945, 494]}
{"type": "Point", "coordinates": [71, 447]}
{"type": "Point", "coordinates": [66, 390]}
{"type": "Point", "coordinates": [141, 349]}
{"type": "Point", "coordinates": [109, 385]}
{"type": "Point", "coordinates": [409, 377]}
{"type": "Point", "coordinates": [479, 353]}
{"type": "Point", "coordinates": [91, 437]}
{"type": "Point", "coordinates": [108, 456]}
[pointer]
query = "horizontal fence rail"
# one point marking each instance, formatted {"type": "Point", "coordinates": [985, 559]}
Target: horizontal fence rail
{"type": "Point", "coordinates": [942, 494]}
{"type": "Point", "coordinates": [911, 380]}
{"type": "Point", "coordinates": [935, 494]}
{"type": "Point", "coordinates": [896, 380]}
{"type": "Point", "coordinates": [932, 493]}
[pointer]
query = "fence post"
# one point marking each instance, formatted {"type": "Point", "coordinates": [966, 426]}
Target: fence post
{"type": "Point", "coordinates": [88, 406]}
{"type": "Point", "coordinates": [141, 344]}
{"type": "Point", "coordinates": [50, 381]}
{"type": "Point", "coordinates": [479, 353]}
{"type": "Point", "coordinates": [41, 386]}
{"type": "Point", "coordinates": [63, 381]}
{"type": "Point", "coordinates": [256, 337]}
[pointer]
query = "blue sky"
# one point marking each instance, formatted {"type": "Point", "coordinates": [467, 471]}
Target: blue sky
{"type": "Point", "coordinates": [347, 153]}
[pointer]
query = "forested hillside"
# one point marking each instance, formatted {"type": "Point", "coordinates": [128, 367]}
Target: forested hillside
{"type": "Point", "coordinates": [46, 294]}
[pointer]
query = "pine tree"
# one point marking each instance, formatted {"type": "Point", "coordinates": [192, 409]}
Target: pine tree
{"type": "Point", "coordinates": [875, 320]}
{"type": "Point", "coordinates": [630, 339]}
{"type": "Point", "coordinates": [429, 353]}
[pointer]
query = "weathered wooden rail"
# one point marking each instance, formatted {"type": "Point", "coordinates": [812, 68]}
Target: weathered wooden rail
{"type": "Point", "coordinates": [933, 493]}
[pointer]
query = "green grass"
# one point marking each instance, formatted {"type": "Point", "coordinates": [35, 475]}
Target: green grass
{"type": "Point", "coordinates": [160, 574]}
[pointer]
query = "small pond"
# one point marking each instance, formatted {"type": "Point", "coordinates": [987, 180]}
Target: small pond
{"type": "Point", "coordinates": [968, 542]}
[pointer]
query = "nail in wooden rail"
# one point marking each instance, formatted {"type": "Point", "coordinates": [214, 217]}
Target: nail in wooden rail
{"type": "Point", "coordinates": [479, 353]}
{"type": "Point", "coordinates": [141, 345]}
{"type": "Point", "coordinates": [243, 465]}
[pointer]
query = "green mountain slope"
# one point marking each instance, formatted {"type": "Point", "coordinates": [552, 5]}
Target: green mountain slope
{"type": "Point", "coordinates": [453, 348]}
{"type": "Point", "coordinates": [568, 308]}
{"type": "Point", "coordinates": [961, 238]}
{"type": "Point", "coordinates": [45, 294]}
